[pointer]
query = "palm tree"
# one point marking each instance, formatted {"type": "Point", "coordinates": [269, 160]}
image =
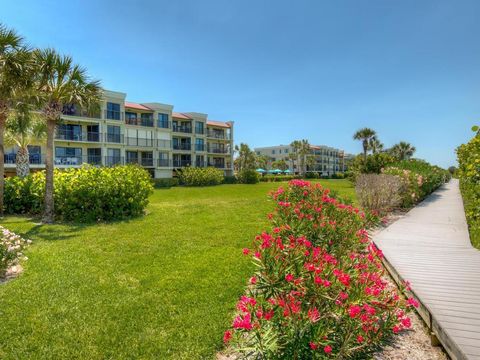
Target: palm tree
{"type": "Point", "coordinates": [375, 145]}
{"type": "Point", "coordinates": [246, 157]}
{"type": "Point", "coordinates": [61, 82]}
{"type": "Point", "coordinates": [280, 164]}
{"type": "Point", "coordinates": [296, 145]}
{"type": "Point", "coordinates": [364, 135]}
{"type": "Point", "coordinates": [403, 150]}
{"type": "Point", "coordinates": [23, 129]}
{"type": "Point", "coordinates": [261, 161]}
{"type": "Point", "coordinates": [305, 149]}
{"type": "Point", "coordinates": [11, 75]}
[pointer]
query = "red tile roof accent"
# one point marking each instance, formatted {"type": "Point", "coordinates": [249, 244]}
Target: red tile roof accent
{"type": "Point", "coordinates": [132, 105]}
{"type": "Point", "coordinates": [218, 123]}
{"type": "Point", "coordinates": [181, 116]}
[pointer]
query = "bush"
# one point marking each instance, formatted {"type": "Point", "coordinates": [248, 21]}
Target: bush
{"type": "Point", "coordinates": [312, 175]}
{"type": "Point", "coordinates": [469, 174]}
{"type": "Point", "coordinates": [11, 249]}
{"type": "Point", "coordinates": [338, 176]}
{"type": "Point", "coordinates": [230, 180]}
{"type": "Point", "coordinates": [191, 176]}
{"type": "Point", "coordinates": [278, 178]}
{"type": "Point", "coordinates": [421, 178]}
{"type": "Point", "coordinates": [165, 183]}
{"type": "Point", "coordinates": [319, 288]}
{"type": "Point", "coordinates": [373, 165]}
{"type": "Point", "coordinates": [379, 192]}
{"type": "Point", "coordinates": [248, 176]}
{"type": "Point", "coordinates": [84, 194]}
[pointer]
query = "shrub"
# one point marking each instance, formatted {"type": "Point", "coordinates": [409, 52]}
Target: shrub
{"type": "Point", "coordinates": [319, 288]}
{"type": "Point", "coordinates": [11, 249]}
{"type": "Point", "coordinates": [373, 165]}
{"type": "Point", "coordinates": [191, 176]}
{"type": "Point", "coordinates": [469, 175]}
{"type": "Point", "coordinates": [84, 194]}
{"type": "Point", "coordinates": [338, 176]}
{"type": "Point", "coordinates": [248, 176]}
{"type": "Point", "coordinates": [312, 175]}
{"type": "Point", "coordinates": [165, 183]}
{"type": "Point", "coordinates": [230, 180]}
{"type": "Point", "coordinates": [379, 192]}
{"type": "Point", "coordinates": [278, 178]}
{"type": "Point", "coordinates": [421, 179]}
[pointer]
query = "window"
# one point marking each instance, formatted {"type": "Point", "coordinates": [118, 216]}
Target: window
{"type": "Point", "coordinates": [285, 151]}
{"type": "Point", "coordinates": [94, 156]}
{"type": "Point", "coordinates": [199, 145]}
{"type": "Point", "coordinates": [198, 127]}
{"type": "Point", "coordinates": [146, 158]}
{"type": "Point", "coordinates": [130, 118]}
{"type": "Point", "coordinates": [199, 161]}
{"type": "Point", "coordinates": [163, 121]}
{"type": "Point", "coordinates": [35, 154]}
{"type": "Point", "coordinates": [113, 157]}
{"type": "Point", "coordinates": [279, 151]}
{"type": "Point", "coordinates": [113, 134]}
{"type": "Point", "coordinates": [69, 132]}
{"type": "Point", "coordinates": [147, 119]}
{"type": "Point", "coordinates": [273, 151]}
{"type": "Point", "coordinates": [113, 111]}
{"type": "Point", "coordinates": [68, 156]}
{"type": "Point", "coordinates": [131, 157]}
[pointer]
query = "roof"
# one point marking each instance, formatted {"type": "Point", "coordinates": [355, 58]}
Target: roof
{"type": "Point", "coordinates": [181, 116]}
{"type": "Point", "coordinates": [218, 123]}
{"type": "Point", "coordinates": [132, 105]}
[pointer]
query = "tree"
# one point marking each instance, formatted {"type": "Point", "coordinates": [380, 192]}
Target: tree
{"type": "Point", "coordinates": [292, 157]}
{"type": "Point", "coordinates": [295, 154]}
{"type": "Point", "coordinates": [305, 150]}
{"type": "Point", "coordinates": [261, 161]}
{"type": "Point", "coordinates": [61, 82]}
{"type": "Point", "coordinates": [375, 145]}
{"type": "Point", "coordinates": [12, 66]}
{"type": "Point", "coordinates": [280, 164]}
{"type": "Point", "coordinates": [364, 135]}
{"type": "Point", "coordinates": [402, 151]}
{"type": "Point", "coordinates": [24, 128]}
{"type": "Point", "coordinates": [311, 162]}
{"type": "Point", "coordinates": [246, 157]}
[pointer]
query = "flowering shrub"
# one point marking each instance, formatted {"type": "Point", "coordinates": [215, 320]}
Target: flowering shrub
{"type": "Point", "coordinates": [420, 177]}
{"type": "Point", "coordinates": [469, 175]}
{"type": "Point", "coordinates": [84, 194]}
{"type": "Point", "coordinates": [319, 289]}
{"type": "Point", "coordinates": [190, 176]}
{"type": "Point", "coordinates": [379, 192]}
{"type": "Point", "coordinates": [11, 248]}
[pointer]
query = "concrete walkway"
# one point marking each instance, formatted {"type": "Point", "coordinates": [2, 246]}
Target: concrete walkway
{"type": "Point", "coordinates": [430, 247]}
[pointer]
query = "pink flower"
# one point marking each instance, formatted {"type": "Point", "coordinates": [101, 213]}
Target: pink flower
{"type": "Point", "coordinates": [253, 280]}
{"type": "Point", "coordinates": [313, 315]}
{"type": "Point", "coordinates": [354, 310]}
{"type": "Point", "coordinates": [327, 349]}
{"type": "Point", "coordinates": [289, 277]}
{"type": "Point", "coordinates": [258, 255]}
{"type": "Point", "coordinates": [313, 346]}
{"type": "Point", "coordinates": [227, 336]}
{"type": "Point", "coordinates": [396, 329]}
{"type": "Point", "coordinates": [412, 302]}
{"type": "Point", "coordinates": [407, 322]}
{"type": "Point", "coordinates": [243, 323]}
{"type": "Point", "coordinates": [359, 339]}
{"type": "Point", "coordinates": [246, 251]}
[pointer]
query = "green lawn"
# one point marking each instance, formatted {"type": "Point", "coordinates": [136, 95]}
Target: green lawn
{"type": "Point", "coordinates": [162, 286]}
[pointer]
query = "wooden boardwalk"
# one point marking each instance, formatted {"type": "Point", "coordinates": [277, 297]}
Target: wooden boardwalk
{"type": "Point", "coordinates": [431, 248]}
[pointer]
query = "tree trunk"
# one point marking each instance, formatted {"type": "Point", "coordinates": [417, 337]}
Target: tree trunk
{"type": "Point", "coordinates": [48, 216]}
{"type": "Point", "coordinates": [23, 162]}
{"type": "Point", "coordinates": [365, 149]}
{"type": "Point", "coordinates": [3, 118]}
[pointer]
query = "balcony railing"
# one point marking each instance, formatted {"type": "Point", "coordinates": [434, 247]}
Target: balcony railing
{"type": "Point", "coordinates": [77, 160]}
{"type": "Point", "coordinates": [163, 144]}
{"type": "Point", "coordinates": [182, 129]}
{"type": "Point", "coordinates": [73, 136]}
{"type": "Point", "coordinates": [218, 135]}
{"type": "Point", "coordinates": [114, 138]}
{"type": "Point", "coordinates": [164, 163]}
{"type": "Point", "coordinates": [134, 141]}
{"type": "Point", "coordinates": [218, 150]}
{"type": "Point", "coordinates": [217, 165]}
{"type": "Point", "coordinates": [163, 124]}
{"type": "Point", "coordinates": [34, 159]}
{"type": "Point", "coordinates": [182, 163]}
{"type": "Point", "coordinates": [73, 111]}
{"type": "Point", "coordinates": [185, 147]}
{"type": "Point", "coordinates": [199, 131]}
{"type": "Point", "coordinates": [113, 160]}
{"type": "Point", "coordinates": [139, 122]}
{"type": "Point", "coordinates": [200, 147]}
{"type": "Point", "coordinates": [140, 161]}
{"type": "Point", "coordinates": [201, 164]}
{"type": "Point", "coordinates": [113, 115]}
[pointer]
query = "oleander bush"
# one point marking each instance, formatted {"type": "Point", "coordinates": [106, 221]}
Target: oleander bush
{"type": "Point", "coordinates": [380, 193]}
{"type": "Point", "coordinates": [165, 183]}
{"type": "Point", "coordinates": [421, 179]}
{"type": "Point", "coordinates": [319, 289]}
{"type": "Point", "coordinates": [191, 176]}
{"type": "Point", "coordinates": [469, 175]}
{"type": "Point", "coordinates": [248, 176]}
{"type": "Point", "coordinates": [11, 249]}
{"type": "Point", "coordinates": [83, 194]}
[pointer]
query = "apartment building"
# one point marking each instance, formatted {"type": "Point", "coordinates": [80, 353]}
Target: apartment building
{"type": "Point", "coordinates": [149, 134]}
{"type": "Point", "coordinates": [328, 160]}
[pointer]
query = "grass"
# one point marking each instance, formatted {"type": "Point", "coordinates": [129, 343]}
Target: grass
{"type": "Point", "coordinates": [162, 286]}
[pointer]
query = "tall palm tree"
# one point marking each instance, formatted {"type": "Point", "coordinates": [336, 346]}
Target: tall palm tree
{"type": "Point", "coordinates": [305, 150]}
{"type": "Point", "coordinates": [23, 129]}
{"type": "Point", "coordinates": [11, 74]}
{"type": "Point", "coordinates": [364, 135]}
{"type": "Point", "coordinates": [296, 145]}
{"type": "Point", "coordinates": [61, 82]}
{"type": "Point", "coordinates": [403, 150]}
{"type": "Point", "coordinates": [375, 145]}
{"type": "Point", "coordinates": [246, 157]}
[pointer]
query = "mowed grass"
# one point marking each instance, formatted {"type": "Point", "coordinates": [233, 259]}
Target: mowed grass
{"type": "Point", "coordinates": [162, 286]}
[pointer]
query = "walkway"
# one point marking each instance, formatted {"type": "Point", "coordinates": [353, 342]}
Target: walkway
{"type": "Point", "coordinates": [430, 247]}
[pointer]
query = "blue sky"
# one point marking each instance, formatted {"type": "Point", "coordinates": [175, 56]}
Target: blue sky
{"type": "Point", "coordinates": [283, 70]}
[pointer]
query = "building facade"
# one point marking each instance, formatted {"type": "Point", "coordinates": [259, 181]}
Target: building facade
{"type": "Point", "coordinates": [328, 160]}
{"type": "Point", "coordinates": [149, 134]}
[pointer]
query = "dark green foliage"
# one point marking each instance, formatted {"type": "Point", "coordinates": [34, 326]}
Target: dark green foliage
{"type": "Point", "coordinates": [191, 176]}
{"type": "Point", "coordinates": [83, 195]}
{"type": "Point", "coordinates": [278, 178]}
{"type": "Point", "coordinates": [373, 164]}
{"type": "Point", "coordinates": [230, 180]}
{"type": "Point", "coordinates": [165, 183]}
{"type": "Point", "coordinates": [248, 176]}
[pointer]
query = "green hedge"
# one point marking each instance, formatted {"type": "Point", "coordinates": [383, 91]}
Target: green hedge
{"type": "Point", "coordinates": [84, 194]}
{"type": "Point", "coordinates": [165, 183]}
{"type": "Point", "coordinates": [191, 176]}
{"type": "Point", "coordinates": [278, 178]}
{"type": "Point", "coordinates": [248, 176]}
{"type": "Point", "coordinates": [469, 174]}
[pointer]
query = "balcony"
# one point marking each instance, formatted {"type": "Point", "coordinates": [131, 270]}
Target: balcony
{"type": "Point", "coordinates": [163, 124]}
{"type": "Point", "coordinates": [133, 141]}
{"type": "Point", "coordinates": [164, 163]}
{"type": "Point", "coordinates": [114, 138]}
{"type": "Point", "coordinates": [184, 147]}
{"type": "Point", "coordinates": [218, 135]}
{"type": "Point", "coordinates": [77, 160]}
{"type": "Point", "coordinates": [139, 122]}
{"type": "Point", "coordinates": [34, 159]}
{"type": "Point", "coordinates": [163, 144]}
{"type": "Point", "coordinates": [201, 164]}
{"type": "Point", "coordinates": [182, 129]}
{"type": "Point", "coordinates": [113, 115]}
{"type": "Point", "coordinates": [199, 147]}
{"type": "Point", "coordinates": [181, 163]}
{"type": "Point", "coordinates": [218, 150]}
{"type": "Point", "coordinates": [113, 160]}
{"type": "Point", "coordinates": [217, 165]}
{"type": "Point", "coordinates": [75, 136]}
{"type": "Point", "coordinates": [72, 110]}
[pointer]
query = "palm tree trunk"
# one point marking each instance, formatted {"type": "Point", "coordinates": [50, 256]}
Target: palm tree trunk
{"type": "Point", "coordinates": [365, 149]}
{"type": "Point", "coordinates": [3, 119]}
{"type": "Point", "coordinates": [48, 216]}
{"type": "Point", "coordinates": [23, 162]}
